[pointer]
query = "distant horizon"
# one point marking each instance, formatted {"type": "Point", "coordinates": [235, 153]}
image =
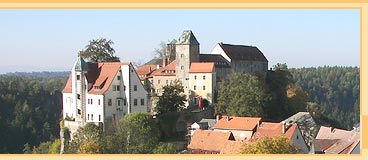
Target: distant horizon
{"type": "Point", "coordinates": [50, 39]}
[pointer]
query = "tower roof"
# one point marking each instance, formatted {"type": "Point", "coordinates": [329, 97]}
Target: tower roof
{"type": "Point", "coordinates": [187, 37]}
{"type": "Point", "coordinates": [80, 64]}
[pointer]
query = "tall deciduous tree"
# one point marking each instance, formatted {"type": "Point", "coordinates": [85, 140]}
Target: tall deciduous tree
{"type": "Point", "coordinates": [265, 145]}
{"type": "Point", "coordinates": [241, 95]}
{"type": "Point", "coordinates": [99, 50]}
{"type": "Point", "coordinates": [172, 98]}
{"type": "Point", "coordinates": [138, 132]}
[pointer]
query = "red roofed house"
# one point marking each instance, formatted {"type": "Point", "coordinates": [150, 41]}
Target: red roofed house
{"type": "Point", "coordinates": [336, 141]}
{"type": "Point", "coordinates": [101, 93]}
{"type": "Point", "coordinates": [209, 142]}
{"type": "Point", "coordinates": [202, 82]}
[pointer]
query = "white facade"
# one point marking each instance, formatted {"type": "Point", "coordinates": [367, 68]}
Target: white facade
{"type": "Point", "coordinates": [122, 94]}
{"type": "Point", "coordinates": [297, 140]}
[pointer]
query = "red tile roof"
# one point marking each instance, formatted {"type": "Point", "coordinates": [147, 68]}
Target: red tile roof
{"type": "Point", "coordinates": [268, 129]}
{"type": "Point", "coordinates": [168, 70]}
{"type": "Point", "coordinates": [99, 74]}
{"type": "Point", "coordinates": [237, 123]}
{"type": "Point", "coordinates": [145, 71]}
{"type": "Point", "coordinates": [209, 140]}
{"type": "Point", "coordinates": [202, 67]}
{"type": "Point", "coordinates": [232, 147]}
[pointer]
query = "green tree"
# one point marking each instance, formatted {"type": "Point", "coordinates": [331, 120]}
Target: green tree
{"type": "Point", "coordinates": [165, 148]}
{"type": "Point", "coordinates": [55, 147]}
{"type": "Point", "coordinates": [43, 148]}
{"type": "Point", "coordinates": [99, 50]}
{"type": "Point", "coordinates": [172, 99]}
{"type": "Point", "coordinates": [90, 132]}
{"type": "Point", "coordinates": [241, 95]}
{"type": "Point", "coordinates": [265, 145]}
{"type": "Point", "coordinates": [138, 132]}
{"type": "Point", "coordinates": [89, 147]}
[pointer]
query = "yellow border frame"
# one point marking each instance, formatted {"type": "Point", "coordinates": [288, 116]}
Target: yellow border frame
{"type": "Point", "coordinates": [362, 5]}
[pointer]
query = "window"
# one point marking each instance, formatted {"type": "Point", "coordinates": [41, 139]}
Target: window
{"type": "Point", "coordinates": [78, 96]}
{"type": "Point", "coordinates": [79, 111]}
{"type": "Point", "coordinates": [91, 101]}
{"type": "Point", "coordinates": [167, 81]}
{"type": "Point", "coordinates": [142, 102]}
{"type": "Point", "coordinates": [135, 87]}
{"type": "Point", "coordinates": [182, 67]}
{"type": "Point", "coordinates": [297, 137]}
{"type": "Point", "coordinates": [204, 88]}
{"type": "Point", "coordinates": [87, 116]}
{"type": "Point", "coordinates": [99, 101]}
{"type": "Point", "coordinates": [99, 117]}
{"type": "Point", "coordinates": [116, 87]}
{"type": "Point", "coordinates": [78, 77]}
{"type": "Point", "coordinates": [118, 102]}
{"type": "Point", "coordinates": [88, 102]}
{"type": "Point", "coordinates": [118, 77]}
{"type": "Point", "coordinates": [195, 87]}
{"type": "Point", "coordinates": [135, 102]}
{"type": "Point", "coordinates": [195, 77]}
{"type": "Point", "coordinates": [204, 77]}
{"type": "Point", "coordinates": [158, 81]}
{"type": "Point", "coordinates": [124, 102]}
{"type": "Point", "coordinates": [91, 117]}
{"type": "Point", "coordinates": [109, 103]}
{"type": "Point", "coordinates": [124, 87]}
{"type": "Point", "coordinates": [182, 55]}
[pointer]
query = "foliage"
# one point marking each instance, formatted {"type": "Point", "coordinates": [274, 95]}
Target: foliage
{"type": "Point", "coordinates": [165, 148]}
{"type": "Point", "coordinates": [99, 50]}
{"type": "Point", "coordinates": [167, 124]}
{"type": "Point", "coordinates": [241, 95]}
{"type": "Point", "coordinates": [172, 98]}
{"type": "Point", "coordinates": [334, 93]}
{"type": "Point", "coordinates": [55, 147]}
{"type": "Point", "coordinates": [43, 148]}
{"type": "Point", "coordinates": [138, 132]}
{"type": "Point", "coordinates": [89, 147]}
{"type": "Point", "coordinates": [265, 145]}
{"type": "Point", "coordinates": [30, 110]}
{"type": "Point", "coordinates": [89, 134]}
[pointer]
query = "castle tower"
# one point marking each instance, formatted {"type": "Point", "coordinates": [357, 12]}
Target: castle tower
{"type": "Point", "coordinates": [80, 88]}
{"type": "Point", "coordinates": [187, 51]}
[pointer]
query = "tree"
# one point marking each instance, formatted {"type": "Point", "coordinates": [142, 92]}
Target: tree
{"type": "Point", "coordinates": [265, 145]}
{"type": "Point", "coordinates": [99, 50]}
{"type": "Point", "coordinates": [89, 134]}
{"type": "Point", "coordinates": [172, 98]}
{"type": "Point", "coordinates": [89, 147]}
{"type": "Point", "coordinates": [138, 132]}
{"type": "Point", "coordinates": [160, 52]}
{"type": "Point", "coordinates": [165, 148]}
{"type": "Point", "coordinates": [241, 95]}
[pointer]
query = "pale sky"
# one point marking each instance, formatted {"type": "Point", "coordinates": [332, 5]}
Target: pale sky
{"type": "Point", "coordinates": [49, 40]}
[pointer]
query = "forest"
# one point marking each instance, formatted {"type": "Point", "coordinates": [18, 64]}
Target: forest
{"type": "Point", "coordinates": [31, 103]}
{"type": "Point", "coordinates": [334, 93]}
{"type": "Point", "coordinates": [30, 109]}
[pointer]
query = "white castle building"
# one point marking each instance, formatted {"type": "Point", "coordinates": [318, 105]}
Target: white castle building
{"type": "Point", "coordinates": [102, 93]}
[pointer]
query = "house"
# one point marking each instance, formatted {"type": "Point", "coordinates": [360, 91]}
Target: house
{"type": "Point", "coordinates": [102, 93]}
{"type": "Point", "coordinates": [290, 130]}
{"type": "Point", "coordinates": [308, 127]}
{"type": "Point", "coordinates": [204, 124]}
{"type": "Point", "coordinates": [331, 140]}
{"type": "Point", "coordinates": [243, 59]}
{"type": "Point", "coordinates": [241, 127]}
{"type": "Point", "coordinates": [202, 82]}
{"type": "Point", "coordinates": [209, 142]}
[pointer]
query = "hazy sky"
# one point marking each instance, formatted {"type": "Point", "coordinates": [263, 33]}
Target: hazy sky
{"type": "Point", "coordinates": [50, 39]}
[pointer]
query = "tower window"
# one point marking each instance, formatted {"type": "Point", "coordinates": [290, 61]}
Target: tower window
{"type": "Point", "coordinates": [78, 77]}
{"type": "Point", "coordinates": [99, 117]}
{"type": "Point", "coordinates": [182, 67]}
{"type": "Point", "coordinates": [195, 87]}
{"type": "Point", "coordinates": [78, 96]}
{"type": "Point", "coordinates": [182, 55]}
{"type": "Point", "coordinates": [204, 88]}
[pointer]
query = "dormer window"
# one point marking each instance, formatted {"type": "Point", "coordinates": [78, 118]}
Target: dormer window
{"type": "Point", "coordinates": [97, 87]}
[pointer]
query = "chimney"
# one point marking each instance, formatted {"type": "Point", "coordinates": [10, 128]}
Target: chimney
{"type": "Point", "coordinates": [150, 70]}
{"type": "Point", "coordinates": [164, 62]}
{"type": "Point", "coordinates": [283, 127]}
{"type": "Point", "coordinates": [227, 118]}
{"type": "Point", "coordinates": [332, 129]}
{"type": "Point", "coordinates": [217, 117]}
{"type": "Point", "coordinates": [158, 66]}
